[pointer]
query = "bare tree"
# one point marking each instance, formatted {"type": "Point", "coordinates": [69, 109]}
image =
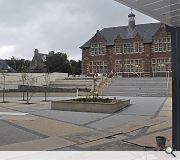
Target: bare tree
{"type": "Point", "coordinates": [23, 77]}
{"type": "Point", "coordinates": [46, 84]}
{"type": "Point", "coordinates": [4, 85]}
{"type": "Point", "coordinates": [29, 82]}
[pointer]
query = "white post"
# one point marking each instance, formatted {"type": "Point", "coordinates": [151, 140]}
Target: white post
{"type": "Point", "coordinates": [77, 94]}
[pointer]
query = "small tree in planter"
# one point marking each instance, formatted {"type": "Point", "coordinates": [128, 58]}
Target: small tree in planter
{"type": "Point", "coordinates": [23, 78]}
{"type": "Point", "coordinates": [4, 84]}
{"type": "Point", "coordinates": [29, 81]}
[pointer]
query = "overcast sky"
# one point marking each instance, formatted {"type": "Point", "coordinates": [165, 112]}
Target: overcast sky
{"type": "Point", "coordinates": [58, 25]}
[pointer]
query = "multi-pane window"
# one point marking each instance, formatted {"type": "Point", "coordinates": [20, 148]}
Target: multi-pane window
{"type": "Point", "coordinates": [119, 66]}
{"type": "Point", "coordinates": [162, 44]}
{"type": "Point", "coordinates": [133, 65]}
{"type": "Point", "coordinates": [130, 65]}
{"type": "Point", "coordinates": [161, 64]}
{"type": "Point", "coordinates": [119, 48]}
{"type": "Point", "coordinates": [98, 67]}
{"type": "Point", "coordinates": [98, 49]}
{"type": "Point", "coordinates": [126, 48]}
{"type": "Point", "coordinates": [138, 47]}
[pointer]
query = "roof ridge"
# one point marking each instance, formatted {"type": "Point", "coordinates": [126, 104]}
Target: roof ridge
{"type": "Point", "coordinates": [127, 25]}
{"type": "Point", "coordinates": [146, 31]}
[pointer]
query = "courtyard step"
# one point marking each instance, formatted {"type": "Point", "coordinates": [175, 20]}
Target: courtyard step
{"type": "Point", "coordinates": [150, 87]}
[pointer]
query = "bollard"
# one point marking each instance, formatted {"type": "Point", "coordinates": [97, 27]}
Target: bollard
{"type": "Point", "coordinates": [161, 142]}
{"type": "Point", "coordinates": [77, 93]}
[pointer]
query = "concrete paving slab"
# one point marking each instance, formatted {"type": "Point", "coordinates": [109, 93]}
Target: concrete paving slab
{"type": "Point", "coordinates": [117, 120]}
{"type": "Point", "coordinates": [87, 136]}
{"type": "Point", "coordinates": [7, 110]}
{"type": "Point", "coordinates": [132, 126]}
{"type": "Point", "coordinates": [79, 118]}
{"type": "Point", "coordinates": [168, 105]}
{"type": "Point", "coordinates": [165, 114]}
{"type": "Point", "coordinates": [38, 145]}
{"type": "Point", "coordinates": [19, 118]}
{"type": "Point", "coordinates": [102, 141]}
{"type": "Point", "coordinates": [76, 138]}
{"type": "Point", "coordinates": [8, 104]}
{"type": "Point", "coordinates": [124, 128]}
{"type": "Point", "coordinates": [51, 127]}
{"type": "Point", "coordinates": [32, 108]}
{"type": "Point", "coordinates": [11, 134]}
{"type": "Point", "coordinates": [143, 106]}
{"type": "Point", "coordinates": [150, 140]}
{"type": "Point", "coordinates": [155, 121]}
{"type": "Point", "coordinates": [116, 146]}
{"type": "Point", "coordinates": [161, 126]}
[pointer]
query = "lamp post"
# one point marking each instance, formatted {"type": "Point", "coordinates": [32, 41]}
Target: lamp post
{"type": "Point", "coordinates": [137, 69]}
{"type": "Point", "coordinates": [162, 65]}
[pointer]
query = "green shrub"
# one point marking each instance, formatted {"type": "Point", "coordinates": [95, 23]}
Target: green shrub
{"type": "Point", "coordinates": [102, 100]}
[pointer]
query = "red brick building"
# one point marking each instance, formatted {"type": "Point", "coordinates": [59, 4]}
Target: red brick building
{"type": "Point", "coordinates": [133, 50]}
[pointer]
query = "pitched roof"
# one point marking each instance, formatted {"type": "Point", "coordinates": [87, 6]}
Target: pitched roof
{"type": "Point", "coordinates": [5, 67]}
{"type": "Point", "coordinates": [39, 56]}
{"type": "Point", "coordinates": [146, 31]}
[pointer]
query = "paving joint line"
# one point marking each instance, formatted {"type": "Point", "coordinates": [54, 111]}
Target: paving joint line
{"type": "Point", "coordinates": [160, 108]}
{"type": "Point", "coordinates": [111, 115]}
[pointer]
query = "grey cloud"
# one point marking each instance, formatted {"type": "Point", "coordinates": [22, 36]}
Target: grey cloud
{"type": "Point", "coordinates": [59, 25]}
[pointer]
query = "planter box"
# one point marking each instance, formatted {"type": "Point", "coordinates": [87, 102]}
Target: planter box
{"type": "Point", "coordinates": [95, 107]}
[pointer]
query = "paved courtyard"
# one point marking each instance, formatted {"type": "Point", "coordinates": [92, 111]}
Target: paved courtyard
{"type": "Point", "coordinates": [37, 127]}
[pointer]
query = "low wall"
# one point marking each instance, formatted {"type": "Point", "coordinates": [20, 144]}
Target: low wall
{"type": "Point", "coordinates": [12, 80]}
{"type": "Point", "coordinates": [51, 89]}
{"type": "Point", "coordinates": [90, 106]}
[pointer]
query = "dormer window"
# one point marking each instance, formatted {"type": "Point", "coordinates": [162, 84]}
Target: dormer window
{"type": "Point", "coordinates": [162, 44]}
{"type": "Point", "coordinates": [98, 49]}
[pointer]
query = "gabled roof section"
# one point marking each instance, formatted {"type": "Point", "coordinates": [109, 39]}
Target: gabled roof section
{"type": "Point", "coordinates": [39, 56]}
{"type": "Point", "coordinates": [98, 34]}
{"type": "Point", "coordinates": [4, 67]}
{"type": "Point", "coordinates": [146, 31]}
